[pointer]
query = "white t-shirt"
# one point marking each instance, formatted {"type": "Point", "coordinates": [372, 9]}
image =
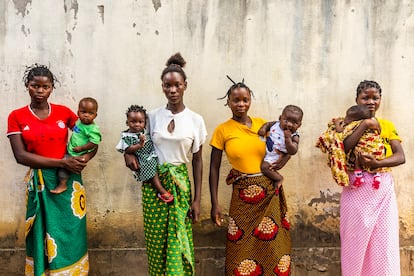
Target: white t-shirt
{"type": "Point", "coordinates": [188, 135]}
{"type": "Point", "coordinates": [276, 143]}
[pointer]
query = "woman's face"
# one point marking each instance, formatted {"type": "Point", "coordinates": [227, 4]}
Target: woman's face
{"type": "Point", "coordinates": [40, 88]}
{"type": "Point", "coordinates": [173, 86]}
{"type": "Point", "coordinates": [239, 101]}
{"type": "Point", "coordinates": [371, 98]}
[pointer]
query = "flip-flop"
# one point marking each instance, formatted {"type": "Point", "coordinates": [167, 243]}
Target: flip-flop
{"type": "Point", "coordinates": [166, 197]}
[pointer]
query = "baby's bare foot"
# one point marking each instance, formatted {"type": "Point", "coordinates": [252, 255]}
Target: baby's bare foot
{"type": "Point", "coordinates": [59, 189]}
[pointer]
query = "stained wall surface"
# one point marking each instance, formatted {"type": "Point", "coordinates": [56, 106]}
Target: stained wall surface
{"type": "Point", "coordinates": [309, 53]}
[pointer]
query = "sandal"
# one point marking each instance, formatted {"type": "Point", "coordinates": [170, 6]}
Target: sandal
{"type": "Point", "coordinates": [166, 197]}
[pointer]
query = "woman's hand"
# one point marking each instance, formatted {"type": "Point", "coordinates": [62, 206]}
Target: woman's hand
{"type": "Point", "coordinates": [366, 160]}
{"type": "Point", "coordinates": [216, 215]}
{"type": "Point", "coordinates": [75, 164]}
{"type": "Point", "coordinates": [195, 211]}
{"type": "Point", "coordinates": [131, 162]}
{"type": "Point", "coordinates": [397, 158]}
{"type": "Point", "coordinates": [281, 162]}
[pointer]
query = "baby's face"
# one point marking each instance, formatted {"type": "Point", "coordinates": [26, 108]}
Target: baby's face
{"type": "Point", "coordinates": [136, 122]}
{"type": "Point", "coordinates": [87, 112]}
{"type": "Point", "coordinates": [290, 120]}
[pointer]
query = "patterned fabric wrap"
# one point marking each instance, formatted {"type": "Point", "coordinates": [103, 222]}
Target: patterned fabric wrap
{"type": "Point", "coordinates": [55, 226]}
{"type": "Point", "coordinates": [258, 237]}
{"type": "Point", "coordinates": [331, 142]}
{"type": "Point", "coordinates": [167, 227]}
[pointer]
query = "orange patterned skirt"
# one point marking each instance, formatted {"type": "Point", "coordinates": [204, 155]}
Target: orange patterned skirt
{"type": "Point", "coordinates": [258, 238]}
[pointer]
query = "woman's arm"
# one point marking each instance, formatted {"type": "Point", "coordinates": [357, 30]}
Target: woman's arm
{"type": "Point", "coordinates": [26, 158]}
{"type": "Point", "coordinates": [351, 141]}
{"type": "Point", "coordinates": [397, 157]}
{"type": "Point", "coordinates": [198, 179]}
{"type": "Point", "coordinates": [281, 162]}
{"type": "Point", "coordinates": [215, 163]}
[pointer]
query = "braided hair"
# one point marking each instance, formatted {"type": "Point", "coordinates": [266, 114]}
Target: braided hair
{"type": "Point", "coordinates": [175, 63]}
{"type": "Point", "coordinates": [36, 70]}
{"type": "Point", "coordinates": [365, 84]}
{"type": "Point", "coordinates": [234, 86]}
{"type": "Point", "coordinates": [136, 108]}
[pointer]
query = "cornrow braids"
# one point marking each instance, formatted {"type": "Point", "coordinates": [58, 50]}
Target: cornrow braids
{"type": "Point", "coordinates": [136, 108]}
{"type": "Point", "coordinates": [234, 86]}
{"type": "Point", "coordinates": [36, 70]}
{"type": "Point", "coordinates": [367, 84]}
{"type": "Point", "coordinates": [175, 63]}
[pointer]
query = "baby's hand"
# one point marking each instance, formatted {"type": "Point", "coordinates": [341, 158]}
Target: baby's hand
{"type": "Point", "coordinates": [142, 139]}
{"type": "Point", "coordinates": [77, 149]}
{"type": "Point", "coordinates": [338, 124]}
{"type": "Point", "coordinates": [288, 133]}
{"type": "Point", "coordinates": [262, 131]}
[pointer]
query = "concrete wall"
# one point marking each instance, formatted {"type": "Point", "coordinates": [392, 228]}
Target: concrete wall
{"type": "Point", "coordinates": [309, 53]}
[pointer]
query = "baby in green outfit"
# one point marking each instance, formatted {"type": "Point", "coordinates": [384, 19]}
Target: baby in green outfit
{"type": "Point", "coordinates": [85, 137]}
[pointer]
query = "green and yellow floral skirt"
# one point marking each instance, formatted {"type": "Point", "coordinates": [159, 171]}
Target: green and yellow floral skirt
{"type": "Point", "coordinates": [55, 225]}
{"type": "Point", "coordinates": [167, 227]}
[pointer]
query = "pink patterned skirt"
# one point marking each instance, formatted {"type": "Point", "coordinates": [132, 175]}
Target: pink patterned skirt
{"type": "Point", "coordinates": [369, 229]}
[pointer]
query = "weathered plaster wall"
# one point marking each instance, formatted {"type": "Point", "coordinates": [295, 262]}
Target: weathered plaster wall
{"type": "Point", "coordinates": [309, 53]}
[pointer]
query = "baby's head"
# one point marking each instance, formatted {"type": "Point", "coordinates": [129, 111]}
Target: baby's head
{"type": "Point", "coordinates": [356, 113]}
{"type": "Point", "coordinates": [87, 110]}
{"type": "Point", "coordinates": [291, 118]}
{"type": "Point", "coordinates": [136, 118]}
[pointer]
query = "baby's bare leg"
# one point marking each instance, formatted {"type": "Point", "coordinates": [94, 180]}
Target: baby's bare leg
{"type": "Point", "coordinates": [156, 184]}
{"type": "Point", "coordinates": [163, 194]}
{"type": "Point", "coordinates": [272, 174]}
{"type": "Point", "coordinates": [359, 177]}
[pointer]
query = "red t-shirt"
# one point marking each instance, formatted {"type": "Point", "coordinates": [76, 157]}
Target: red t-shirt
{"type": "Point", "coordinates": [47, 137]}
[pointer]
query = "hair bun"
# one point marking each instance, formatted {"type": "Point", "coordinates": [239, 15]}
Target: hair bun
{"type": "Point", "coordinates": [176, 59]}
